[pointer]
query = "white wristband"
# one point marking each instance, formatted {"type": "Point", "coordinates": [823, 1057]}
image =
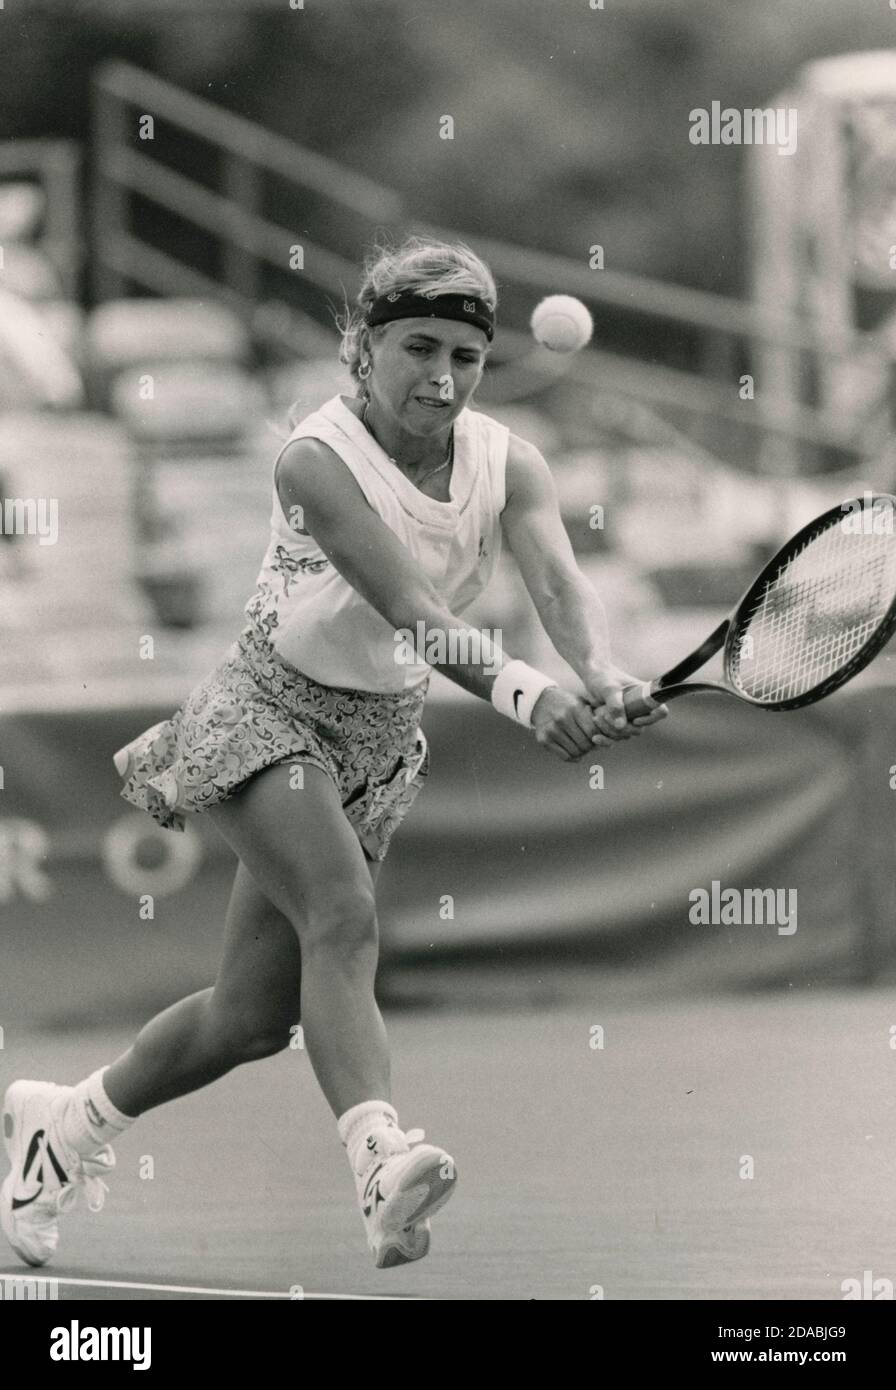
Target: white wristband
{"type": "Point", "coordinates": [516, 691]}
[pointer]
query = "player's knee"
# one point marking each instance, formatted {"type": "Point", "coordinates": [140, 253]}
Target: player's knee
{"type": "Point", "coordinates": [245, 1035]}
{"type": "Point", "coordinates": [344, 921]}
{"type": "Point", "coordinates": [263, 1041]}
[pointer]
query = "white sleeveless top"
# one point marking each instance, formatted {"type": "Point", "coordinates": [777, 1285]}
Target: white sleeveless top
{"type": "Point", "coordinates": [314, 618]}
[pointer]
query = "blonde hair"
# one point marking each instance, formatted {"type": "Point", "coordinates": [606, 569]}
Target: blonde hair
{"type": "Point", "coordinates": [420, 264]}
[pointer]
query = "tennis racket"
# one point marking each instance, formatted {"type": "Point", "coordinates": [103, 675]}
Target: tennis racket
{"type": "Point", "coordinates": [821, 609]}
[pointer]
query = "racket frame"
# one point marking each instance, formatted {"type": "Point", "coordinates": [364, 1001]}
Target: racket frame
{"type": "Point", "coordinates": [727, 635]}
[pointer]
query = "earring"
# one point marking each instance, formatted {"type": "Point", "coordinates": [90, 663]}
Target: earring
{"type": "Point", "coordinates": [362, 374]}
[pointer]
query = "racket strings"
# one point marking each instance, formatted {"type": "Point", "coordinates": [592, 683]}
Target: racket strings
{"type": "Point", "coordinates": [829, 617]}
{"type": "Point", "coordinates": [817, 611]}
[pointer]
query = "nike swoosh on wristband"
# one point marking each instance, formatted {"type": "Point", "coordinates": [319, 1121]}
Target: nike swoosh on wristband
{"type": "Point", "coordinates": [516, 696]}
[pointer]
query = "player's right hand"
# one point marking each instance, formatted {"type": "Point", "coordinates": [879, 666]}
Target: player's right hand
{"type": "Point", "coordinates": [564, 723]}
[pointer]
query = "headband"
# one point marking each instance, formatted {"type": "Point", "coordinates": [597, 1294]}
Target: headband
{"type": "Point", "coordinates": [405, 304]}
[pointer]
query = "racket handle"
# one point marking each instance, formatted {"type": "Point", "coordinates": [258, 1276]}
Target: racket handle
{"type": "Point", "coordinates": [639, 700]}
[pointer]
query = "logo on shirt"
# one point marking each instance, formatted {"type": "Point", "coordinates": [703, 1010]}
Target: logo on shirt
{"type": "Point", "coordinates": [289, 566]}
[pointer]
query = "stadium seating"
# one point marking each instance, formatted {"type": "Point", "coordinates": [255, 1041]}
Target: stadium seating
{"type": "Point", "coordinates": [124, 334]}
{"type": "Point", "coordinates": [179, 404]}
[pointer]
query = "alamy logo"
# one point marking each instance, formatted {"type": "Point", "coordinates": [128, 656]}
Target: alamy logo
{"type": "Point", "coordinates": [870, 516]}
{"type": "Point", "coordinates": [867, 1287]}
{"type": "Point", "coordinates": [735, 907]}
{"type": "Point", "coordinates": [77, 1343]}
{"type": "Point", "coordinates": [753, 126]}
{"type": "Point", "coordinates": [455, 646]}
{"type": "Point", "coordinates": [30, 516]}
{"type": "Point", "coordinates": [14, 1289]}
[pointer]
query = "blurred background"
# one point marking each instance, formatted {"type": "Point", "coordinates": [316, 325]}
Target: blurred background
{"type": "Point", "coordinates": [186, 194]}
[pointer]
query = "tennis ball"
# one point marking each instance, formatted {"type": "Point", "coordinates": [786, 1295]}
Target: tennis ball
{"type": "Point", "coordinates": [561, 323]}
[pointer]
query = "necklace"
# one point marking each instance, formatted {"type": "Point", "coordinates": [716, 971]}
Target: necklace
{"type": "Point", "coordinates": [432, 472]}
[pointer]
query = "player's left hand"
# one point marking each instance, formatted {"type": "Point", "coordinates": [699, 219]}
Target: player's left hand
{"type": "Point", "coordinates": [605, 686]}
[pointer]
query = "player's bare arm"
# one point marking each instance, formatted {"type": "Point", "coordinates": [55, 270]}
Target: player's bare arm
{"type": "Point", "coordinates": [568, 605]}
{"type": "Point", "coordinates": [373, 560]}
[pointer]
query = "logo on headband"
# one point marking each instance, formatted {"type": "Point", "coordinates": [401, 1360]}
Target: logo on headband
{"type": "Point", "coordinates": [469, 306]}
{"type": "Point", "coordinates": [396, 294]}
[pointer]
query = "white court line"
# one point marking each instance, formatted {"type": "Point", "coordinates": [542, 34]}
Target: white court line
{"type": "Point", "coordinates": [222, 1293]}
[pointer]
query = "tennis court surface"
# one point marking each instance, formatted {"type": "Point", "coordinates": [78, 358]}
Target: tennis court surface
{"type": "Point", "coordinates": [579, 1166]}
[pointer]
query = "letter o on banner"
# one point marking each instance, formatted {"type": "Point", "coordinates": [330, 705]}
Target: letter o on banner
{"type": "Point", "coordinates": [119, 850]}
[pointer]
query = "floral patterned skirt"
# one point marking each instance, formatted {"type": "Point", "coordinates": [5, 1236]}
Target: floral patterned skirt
{"type": "Point", "coordinates": [254, 710]}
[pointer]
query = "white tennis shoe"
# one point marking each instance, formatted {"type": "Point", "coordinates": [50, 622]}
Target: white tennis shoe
{"type": "Point", "coordinates": [405, 1182]}
{"type": "Point", "coordinates": [45, 1175]}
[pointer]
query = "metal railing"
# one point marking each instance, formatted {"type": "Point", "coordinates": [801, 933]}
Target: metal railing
{"type": "Point", "coordinates": [249, 152]}
{"type": "Point", "coordinates": [250, 241]}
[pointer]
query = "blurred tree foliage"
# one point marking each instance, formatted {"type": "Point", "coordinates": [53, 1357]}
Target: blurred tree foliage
{"type": "Point", "coordinates": [571, 123]}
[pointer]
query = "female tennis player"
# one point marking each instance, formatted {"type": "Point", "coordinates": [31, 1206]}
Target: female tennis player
{"type": "Point", "coordinates": [304, 745]}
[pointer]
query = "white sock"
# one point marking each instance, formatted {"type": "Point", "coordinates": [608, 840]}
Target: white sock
{"type": "Point", "coordinates": [367, 1130]}
{"type": "Point", "coordinates": [89, 1119]}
